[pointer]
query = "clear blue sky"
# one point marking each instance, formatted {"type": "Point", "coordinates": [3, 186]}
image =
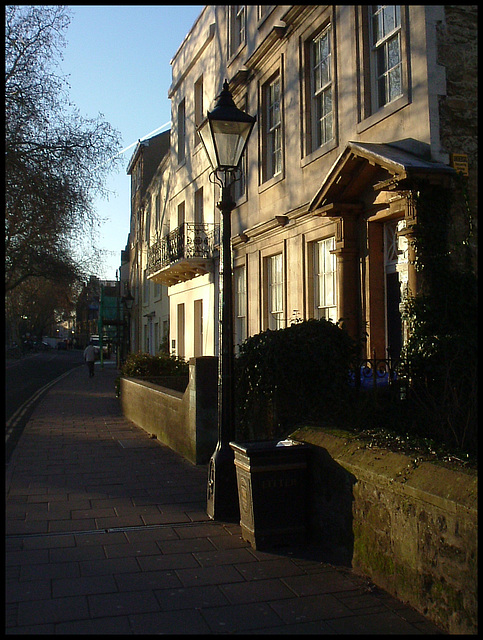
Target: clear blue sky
{"type": "Point", "coordinates": [117, 59]}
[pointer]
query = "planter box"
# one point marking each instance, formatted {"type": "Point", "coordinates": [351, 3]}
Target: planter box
{"type": "Point", "coordinates": [272, 489]}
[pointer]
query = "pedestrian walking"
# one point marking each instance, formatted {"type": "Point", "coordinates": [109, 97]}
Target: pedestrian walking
{"type": "Point", "coordinates": [89, 357]}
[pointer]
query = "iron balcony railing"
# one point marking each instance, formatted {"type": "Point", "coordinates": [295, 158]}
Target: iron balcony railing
{"type": "Point", "coordinates": [189, 240]}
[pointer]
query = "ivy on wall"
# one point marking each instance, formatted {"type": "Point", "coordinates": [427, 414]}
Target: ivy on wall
{"type": "Point", "coordinates": [297, 375]}
{"type": "Point", "coordinates": [441, 351]}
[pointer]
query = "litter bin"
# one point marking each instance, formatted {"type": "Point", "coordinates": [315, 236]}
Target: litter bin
{"type": "Point", "coordinates": [272, 486]}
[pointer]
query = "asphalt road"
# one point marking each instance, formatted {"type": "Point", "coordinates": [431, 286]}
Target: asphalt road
{"type": "Point", "coordinates": [26, 380]}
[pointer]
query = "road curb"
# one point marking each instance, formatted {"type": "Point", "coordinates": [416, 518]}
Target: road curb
{"type": "Point", "coordinates": [19, 414]}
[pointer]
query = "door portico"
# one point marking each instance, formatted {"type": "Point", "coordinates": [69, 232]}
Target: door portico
{"type": "Point", "coordinates": [370, 193]}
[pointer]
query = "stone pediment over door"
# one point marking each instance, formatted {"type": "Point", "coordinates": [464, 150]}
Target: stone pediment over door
{"type": "Point", "coordinates": [380, 166]}
{"type": "Point", "coordinates": [355, 186]}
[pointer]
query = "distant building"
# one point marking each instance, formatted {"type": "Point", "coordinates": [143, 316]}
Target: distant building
{"type": "Point", "coordinates": [149, 316]}
{"type": "Point", "coordinates": [88, 308]}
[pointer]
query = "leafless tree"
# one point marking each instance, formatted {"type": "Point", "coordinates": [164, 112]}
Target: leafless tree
{"type": "Point", "coordinates": [38, 305]}
{"type": "Point", "coordinates": [55, 159]}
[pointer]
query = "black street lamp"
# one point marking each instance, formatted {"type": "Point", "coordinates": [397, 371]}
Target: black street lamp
{"type": "Point", "coordinates": [224, 133]}
{"type": "Point", "coordinates": [127, 301]}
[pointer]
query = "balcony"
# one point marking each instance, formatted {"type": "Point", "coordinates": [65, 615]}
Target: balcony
{"type": "Point", "coordinates": [183, 254]}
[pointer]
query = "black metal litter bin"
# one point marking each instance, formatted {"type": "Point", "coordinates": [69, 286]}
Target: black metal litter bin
{"type": "Point", "coordinates": [272, 487]}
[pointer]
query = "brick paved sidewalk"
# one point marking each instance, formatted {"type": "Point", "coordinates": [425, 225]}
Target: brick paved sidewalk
{"type": "Point", "coordinates": [107, 533]}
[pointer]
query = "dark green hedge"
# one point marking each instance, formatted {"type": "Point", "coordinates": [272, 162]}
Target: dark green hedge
{"type": "Point", "coordinates": [287, 377]}
{"type": "Point", "coordinates": [145, 365]}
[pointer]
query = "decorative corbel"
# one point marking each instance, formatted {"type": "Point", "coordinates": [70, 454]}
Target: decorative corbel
{"type": "Point", "coordinates": [282, 220]}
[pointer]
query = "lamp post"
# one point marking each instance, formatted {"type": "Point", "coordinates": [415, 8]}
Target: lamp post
{"type": "Point", "coordinates": [224, 133]}
{"type": "Point", "coordinates": [127, 301]}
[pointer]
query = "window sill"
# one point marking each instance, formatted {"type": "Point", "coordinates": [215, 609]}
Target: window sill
{"type": "Point", "coordinates": [263, 19]}
{"type": "Point", "coordinates": [318, 153]}
{"type": "Point", "coordinates": [236, 53]}
{"type": "Point", "coordinates": [271, 182]}
{"type": "Point", "coordinates": [197, 148]}
{"type": "Point", "coordinates": [384, 112]}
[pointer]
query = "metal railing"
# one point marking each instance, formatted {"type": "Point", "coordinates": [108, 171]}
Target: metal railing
{"type": "Point", "coordinates": [189, 240]}
{"type": "Point", "coordinates": [376, 372]}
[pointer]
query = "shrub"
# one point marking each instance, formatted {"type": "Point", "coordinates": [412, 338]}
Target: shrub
{"type": "Point", "coordinates": [292, 375]}
{"type": "Point", "coordinates": [442, 361]}
{"type": "Point", "coordinates": [139, 365]}
{"type": "Point", "coordinates": [441, 352]}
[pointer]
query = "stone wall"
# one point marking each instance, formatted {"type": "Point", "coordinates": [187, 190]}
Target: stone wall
{"type": "Point", "coordinates": [186, 422]}
{"type": "Point", "coordinates": [410, 526]}
{"type": "Point", "coordinates": [457, 45]}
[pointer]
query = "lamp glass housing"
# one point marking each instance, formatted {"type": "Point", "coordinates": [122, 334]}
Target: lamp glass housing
{"type": "Point", "coordinates": [224, 141]}
{"type": "Point", "coordinates": [225, 132]}
{"type": "Point", "coordinates": [128, 301]}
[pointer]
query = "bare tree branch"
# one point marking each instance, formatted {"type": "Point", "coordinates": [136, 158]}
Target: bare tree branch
{"type": "Point", "coordinates": [55, 159]}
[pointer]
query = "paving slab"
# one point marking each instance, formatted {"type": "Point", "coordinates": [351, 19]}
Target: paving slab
{"type": "Point", "coordinates": [107, 532]}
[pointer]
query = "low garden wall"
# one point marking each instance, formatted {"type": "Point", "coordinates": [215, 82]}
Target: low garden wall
{"type": "Point", "coordinates": [186, 422]}
{"type": "Point", "coordinates": [410, 526]}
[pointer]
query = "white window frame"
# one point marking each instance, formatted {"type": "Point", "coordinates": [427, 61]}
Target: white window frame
{"type": "Point", "coordinates": [273, 128]}
{"type": "Point", "coordinates": [198, 328]}
{"type": "Point", "coordinates": [240, 304]}
{"type": "Point", "coordinates": [198, 213]}
{"type": "Point", "coordinates": [147, 223]}
{"type": "Point", "coordinates": [386, 42]}
{"type": "Point", "coordinates": [237, 27]}
{"type": "Point", "coordinates": [321, 81]}
{"type": "Point", "coordinates": [263, 10]}
{"type": "Point", "coordinates": [180, 330]}
{"type": "Point", "coordinates": [275, 285]}
{"type": "Point", "coordinates": [157, 209]}
{"type": "Point", "coordinates": [240, 185]}
{"type": "Point", "coordinates": [181, 131]}
{"type": "Point", "coordinates": [199, 114]}
{"type": "Point", "coordinates": [181, 214]}
{"type": "Point", "coordinates": [325, 280]}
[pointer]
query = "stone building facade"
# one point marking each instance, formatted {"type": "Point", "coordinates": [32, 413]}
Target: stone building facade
{"type": "Point", "coordinates": [358, 107]}
{"type": "Point", "coordinates": [456, 39]}
{"type": "Point", "coordinates": [149, 171]}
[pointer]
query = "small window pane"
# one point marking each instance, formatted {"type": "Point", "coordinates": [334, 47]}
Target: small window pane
{"type": "Point", "coordinates": [275, 292]}
{"type": "Point", "coordinates": [386, 38]}
{"type": "Point", "coordinates": [393, 52]}
{"type": "Point", "coordinates": [273, 140]}
{"type": "Point", "coordinates": [381, 60]}
{"type": "Point", "coordinates": [325, 279]}
{"type": "Point", "coordinates": [321, 108]}
{"type": "Point", "coordinates": [394, 83]}
{"type": "Point", "coordinates": [328, 128]}
{"type": "Point", "coordinates": [390, 21]}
